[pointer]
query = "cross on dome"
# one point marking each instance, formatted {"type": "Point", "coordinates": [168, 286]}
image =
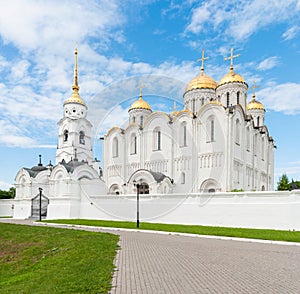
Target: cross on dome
{"type": "Point", "coordinates": [142, 86]}
{"type": "Point", "coordinates": [253, 87]}
{"type": "Point", "coordinates": [202, 59]}
{"type": "Point", "coordinates": [231, 57]}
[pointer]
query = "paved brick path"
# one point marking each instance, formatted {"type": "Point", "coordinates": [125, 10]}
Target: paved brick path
{"type": "Point", "coordinates": [156, 263]}
{"type": "Point", "coordinates": [153, 263]}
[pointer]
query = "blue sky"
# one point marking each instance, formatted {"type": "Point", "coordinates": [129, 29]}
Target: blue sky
{"type": "Point", "coordinates": [121, 41]}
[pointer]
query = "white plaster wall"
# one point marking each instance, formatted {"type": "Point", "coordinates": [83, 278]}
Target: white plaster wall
{"type": "Point", "coordinates": [275, 210]}
{"type": "Point", "coordinates": [6, 207]}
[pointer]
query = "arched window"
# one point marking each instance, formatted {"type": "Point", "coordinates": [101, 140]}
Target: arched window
{"type": "Point", "coordinates": [115, 148]}
{"type": "Point", "coordinates": [81, 138]}
{"type": "Point", "coordinates": [183, 134]}
{"type": "Point", "coordinates": [210, 129]}
{"type": "Point", "coordinates": [202, 101]}
{"type": "Point", "coordinates": [133, 144]}
{"type": "Point", "coordinates": [66, 135]}
{"type": "Point", "coordinates": [258, 121]}
{"type": "Point", "coordinates": [157, 139]}
{"type": "Point", "coordinates": [237, 131]}
{"type": "Point", "coordinates": [227, 101]}
{"type": "Point", "coordinates": [142, 121]}
{"type": "Point", "coordinates": [133, 119]}
{"type": "Point", "coordinates": [238, 97]}
{"type": "Point", "coordinates": [263, 149]}
{"type": "Point", "coordinates": [182, 178]}
{"type": "Point", "coordinates": [248, 138]}
{"type": "Point", "coordinates": [255, 144]}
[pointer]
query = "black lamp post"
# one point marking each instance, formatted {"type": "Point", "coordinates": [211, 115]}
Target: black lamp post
{"type": "Point", "coordinates": [41, 190]}
{"type": "Point", "coordinates": [137, 185]}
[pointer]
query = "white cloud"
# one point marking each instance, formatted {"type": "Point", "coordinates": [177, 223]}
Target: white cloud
{"type": "Point", "coordinates": [239, 19]}
{"type": "Point", "coordinates": [290, 33]}
{"type": "Point", "coordinates": [282, 98]}
{"type": "Point", "coordinates": [268, 63]}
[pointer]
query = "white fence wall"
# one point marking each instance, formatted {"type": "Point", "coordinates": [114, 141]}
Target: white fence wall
{"type": "Point", "coordinates": [6, 207]}
{"type": "Point", "coordinates": [276, 210]}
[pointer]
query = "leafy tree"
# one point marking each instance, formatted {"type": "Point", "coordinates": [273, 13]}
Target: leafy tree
{"type": "Point", "coordinates": [11, 193]}
{"type": "Point", "coordinates": [283, 183]}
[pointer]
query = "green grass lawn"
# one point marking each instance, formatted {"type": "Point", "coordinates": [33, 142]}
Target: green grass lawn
{"type": "Point", "coordinates": [52, 260]}
{"type": "Point", "coordinates": [290, 236]}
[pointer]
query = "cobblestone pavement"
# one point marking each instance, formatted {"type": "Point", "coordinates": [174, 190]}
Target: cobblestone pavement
{"type": "Point", "coordinates": [161, 263]}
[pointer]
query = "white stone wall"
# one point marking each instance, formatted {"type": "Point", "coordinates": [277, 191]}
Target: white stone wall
{"type": "Point", "coordinates": [6, 207]}
{"type": "Point", "coordinates": [274, 210]}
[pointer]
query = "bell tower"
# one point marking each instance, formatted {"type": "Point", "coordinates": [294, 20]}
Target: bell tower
{"type": "Point", "coordinates": [74, 135]}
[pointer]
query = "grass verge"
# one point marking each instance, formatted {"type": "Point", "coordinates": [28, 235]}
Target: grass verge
{"type": "Point", "coordinates": [52, 260]}
{"type": "Point", "coordinates": [276, 235]}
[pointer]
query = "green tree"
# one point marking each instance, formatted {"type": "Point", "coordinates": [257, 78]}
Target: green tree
{"type": "Point", "coordinates": [11, 193]}
{"type": "Point", "coordinates": [283, 183]}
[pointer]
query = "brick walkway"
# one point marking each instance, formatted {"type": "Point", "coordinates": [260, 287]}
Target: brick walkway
{"type": "Point", "coordinates": [156, 263]}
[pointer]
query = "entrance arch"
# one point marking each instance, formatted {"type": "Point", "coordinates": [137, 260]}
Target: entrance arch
{"type": "Point", "coordinates": [209, 185]}
{"type": "Point", "coordinates": [35, 206]}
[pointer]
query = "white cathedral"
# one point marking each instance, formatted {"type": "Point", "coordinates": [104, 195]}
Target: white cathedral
{"type": "Point", "coordinates": [217, 143]}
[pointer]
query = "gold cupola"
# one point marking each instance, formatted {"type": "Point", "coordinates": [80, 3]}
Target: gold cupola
{"type": "Point", "coordinates": [75, 98]}
{"type": "Point", "coordinates": [140, 103]}
{"type": "Point", "coordinates": [254, 104]}
{"type": "Point", "coordinates": [202, 81]}
{"type": "Point", "coordinates": [231, 77]}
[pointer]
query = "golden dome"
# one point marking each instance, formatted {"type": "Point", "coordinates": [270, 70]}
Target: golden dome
{"type": "Point", "coordinates": [201, 82]}
{"type": "Point", "coordinates": [231, 77]}
{"type": "Point", "coordinates": [254, 104]}
{"type": "Point", "coordinates": [75, 98]}
{"type": "Point", "coordinates": [140, 104]}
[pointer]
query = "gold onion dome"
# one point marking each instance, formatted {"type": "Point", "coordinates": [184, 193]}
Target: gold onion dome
{"type": "Point", "coordinates": [201, 82]}
{"type": "Point", "coordinates": [75, 98]}
{"type": "Point", "coordinates": [254, 104]}
{"type": "Point", "coordinates": [140, 104]}
{"type": "Point", "coordinates": [231, 77]}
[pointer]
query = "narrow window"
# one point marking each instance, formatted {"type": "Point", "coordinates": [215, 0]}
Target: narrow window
{"type": "Point", "coordinates": [238, 97]}
{"type": "Point", "coordinates": [183, 134]}
{"type": "Point", "coordinates": [202, 101]}
{"type": "Point", "coordinates": [212, 130]}
{"type": "Point", "coordinates": [194, 105]}
{"type": "Point", "coordinates": [81, 138]}
{"type": "Point", "coordinates": [258, 121]}
{"type": "Point", "coordinates": [227, 103]}
{"type": "Point", "coordinates": [263, 149]}
{"type": "Point", "coordinates": [133, 142]}
{"type": "Point", "coordinates": [142, 121]}
{"type": "Point", "coordinates": [115, 147]}
{"type": "Point", "coordinates": [182, 178]}
{"type": "Point", "coordinates": [66, 135]}
{"type": "Point", "coordinates": [158, 140]}
{"type": "Point", "coordinates": [248, 138]}
{"type": "Point", "coordinates": [133, 119]}
{"type": "Point", "coordinates": [237, 131]}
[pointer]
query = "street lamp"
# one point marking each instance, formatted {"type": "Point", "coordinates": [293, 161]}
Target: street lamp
{"type": "Point", "coordinates": [41, 190]}
{"type": "Point", "coordinates": [137, 185]}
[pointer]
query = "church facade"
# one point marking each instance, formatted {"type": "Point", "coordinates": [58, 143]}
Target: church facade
{"type": "Point", "coordinates": [218, 142]}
